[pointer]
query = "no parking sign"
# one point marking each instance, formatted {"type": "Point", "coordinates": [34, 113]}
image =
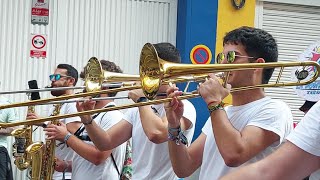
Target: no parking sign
{"type": "Point", "coordinates": [38, 46]}
{"type": "Point", "coordinates": [200, 54]}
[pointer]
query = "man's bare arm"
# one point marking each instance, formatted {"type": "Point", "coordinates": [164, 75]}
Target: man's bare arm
{"type": "Point", "coordinates": [154, 126]}
{"type": "Point", "coordinates": [6, 131]}
{"type": "Point", "coordinates": [73, 126]}
{"type": "Point", "coordinates": [238, 147]}
{"type": "Point", "coordinates": [186, 160]}
{"type": "Point", "coordinates": [113, 137]}
{"type": "Point", "coordinates": [87, 151]}
{"type": "Point", "coordinates": [288, 162]}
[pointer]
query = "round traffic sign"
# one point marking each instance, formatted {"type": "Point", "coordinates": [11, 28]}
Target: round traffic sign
{"type": "Point", "coordinates": [200, 54]}
{"type": "Point", "coordinates": [38, 41]}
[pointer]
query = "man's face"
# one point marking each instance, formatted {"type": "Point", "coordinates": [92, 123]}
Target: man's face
{"type": "Point", "coordinates": [63, 81]}
{"type": "Point", "coordinates": [238, 78]}
{"type": "Point", "coordinates": [162, 90]}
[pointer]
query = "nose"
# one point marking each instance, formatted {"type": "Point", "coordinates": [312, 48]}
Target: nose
{"type": "Point", "coordinates": [53, 83]}
{"type": "Point", "coordinates": [224, 61]}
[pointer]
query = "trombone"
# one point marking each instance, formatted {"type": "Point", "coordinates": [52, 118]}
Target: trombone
{"type": "Point", "coordinates": [95, 80]}
{"type": "Point", "coordinates": [48, 88]}
{"type": "Point", "coordinates": [155, 71]}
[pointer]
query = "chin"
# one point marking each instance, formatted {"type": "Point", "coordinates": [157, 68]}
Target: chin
{"type": "Point", "coordinates": [57, 93]}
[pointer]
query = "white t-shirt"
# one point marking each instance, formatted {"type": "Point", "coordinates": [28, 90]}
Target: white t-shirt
{"type": "Point", "coordinates": [8, 115]}
{"type": "Point", "coordinates": [150, 160]}
{"type": "Point", "coordinates": [269, 114]}
{"type": "Point", "coordinates": [63, 152]}
{"type": "Point", "coordinates": [83, 169]}
{"type": "Point", "coordinates": [306, 135]}
{"type": "Point", "coordinates": [315, 175]}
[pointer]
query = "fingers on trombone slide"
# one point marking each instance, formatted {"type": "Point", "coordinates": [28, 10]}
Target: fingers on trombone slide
{"type": "Point", "coordinates": [228, 86]}
{"type": "Point", "coordinates": [173, 91]}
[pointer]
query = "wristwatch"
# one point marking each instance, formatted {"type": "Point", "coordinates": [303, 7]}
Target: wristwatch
{"type": "Point", "coordinates": [142, 99]}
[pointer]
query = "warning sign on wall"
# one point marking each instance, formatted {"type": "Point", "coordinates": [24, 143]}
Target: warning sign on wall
{"type": "Point", "coordinates": [38, 46]}
{"type": "Point", "coordinates": [40, 12]}
{"type": "Point", "coordinates": [200, 54]}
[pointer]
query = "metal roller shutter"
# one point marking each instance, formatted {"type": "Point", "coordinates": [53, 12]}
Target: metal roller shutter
{"type": "Point", "coordinates": [295, 27]}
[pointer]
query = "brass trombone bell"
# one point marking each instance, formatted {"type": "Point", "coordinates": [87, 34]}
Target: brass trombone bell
{"type": "Point", "coordinates": [95, 76]}
{"type": "Point", "coordinates": [154, 71]}
{"type": "Point", "coordinates": [95, 79]}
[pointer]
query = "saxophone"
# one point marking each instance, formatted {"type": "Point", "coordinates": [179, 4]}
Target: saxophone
{"type": "Point", "coordinates": [25, 152]}
{"type": "Point", "coordinates": [50, 146]}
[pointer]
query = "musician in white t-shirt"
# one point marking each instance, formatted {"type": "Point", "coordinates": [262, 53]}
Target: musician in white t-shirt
{"type": "Point", "coordinates": [297, 158]}
{"type": "Point", "coordinates": [147, 125]}
{"type": "Point", "coordinates": [64, 75]}
{"type": "Point", "coordinates": [253, 127]}
{"type": "Point", "coordinates": [88, 161]}
{"type": "Point", "coordinates": [151, 160]}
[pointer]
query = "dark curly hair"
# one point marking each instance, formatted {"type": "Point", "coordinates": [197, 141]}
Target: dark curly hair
{"type": "Point", "coordinates": [257, 43]}
{"type": "Point", "coordinates": [107, 66]}
{"type": "Point", "coordinates": [168, 52]}
{"type": "Point", "coordinates": [71, 71]}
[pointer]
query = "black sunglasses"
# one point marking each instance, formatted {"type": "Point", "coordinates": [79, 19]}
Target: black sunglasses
{"type": "Point", "coordinates": [231, 56]}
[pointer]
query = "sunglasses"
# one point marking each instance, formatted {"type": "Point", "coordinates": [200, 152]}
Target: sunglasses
{"type": "Point", "coordinates": [231, 56]}
{"type": "Point", "coordinates": [56, 77]}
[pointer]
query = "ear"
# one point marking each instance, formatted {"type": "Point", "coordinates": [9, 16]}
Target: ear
{"type": "Point", "coordinates": [71, 81]}
{"type": "Point", "coordinates": [260, 60]}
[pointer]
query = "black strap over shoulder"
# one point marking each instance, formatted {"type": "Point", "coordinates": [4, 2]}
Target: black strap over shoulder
{"type": "Point", "coordinates": [79, 131]}
{"type": "Point", "coordinates": [87, 138]}
{"type": "Point", "coordinates": [115, 164]}
{"type": "Point", "coordinates": [82, 127]}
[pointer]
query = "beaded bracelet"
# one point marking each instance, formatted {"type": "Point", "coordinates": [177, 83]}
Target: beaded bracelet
{"type": "Point", "coordinates": [67, 137]}
{"type": "Point", "coordinates": [179, 138]}
{"type": "Point", "coordinates": [212, 108]}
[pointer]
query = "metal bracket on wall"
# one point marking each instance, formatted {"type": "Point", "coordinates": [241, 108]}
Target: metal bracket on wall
{"type": "Point", "coordinates": [238, 4]}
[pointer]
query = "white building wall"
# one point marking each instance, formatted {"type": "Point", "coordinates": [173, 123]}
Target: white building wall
{"type": "Point", "coordinates": [114, 30]}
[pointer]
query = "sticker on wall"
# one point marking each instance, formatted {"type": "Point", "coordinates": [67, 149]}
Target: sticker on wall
{"type": "Point", "coordinates": [38, 46]}
{"type": "Point", "coordinates": [200, 54]}
{"type": "Point", "coordinates": [40, 12]}
{"type": "Point", "coordinates": [310, 92]}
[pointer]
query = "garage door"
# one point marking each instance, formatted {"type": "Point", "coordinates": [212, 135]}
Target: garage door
{"type": "Point", "coordinates": [295, 27]}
